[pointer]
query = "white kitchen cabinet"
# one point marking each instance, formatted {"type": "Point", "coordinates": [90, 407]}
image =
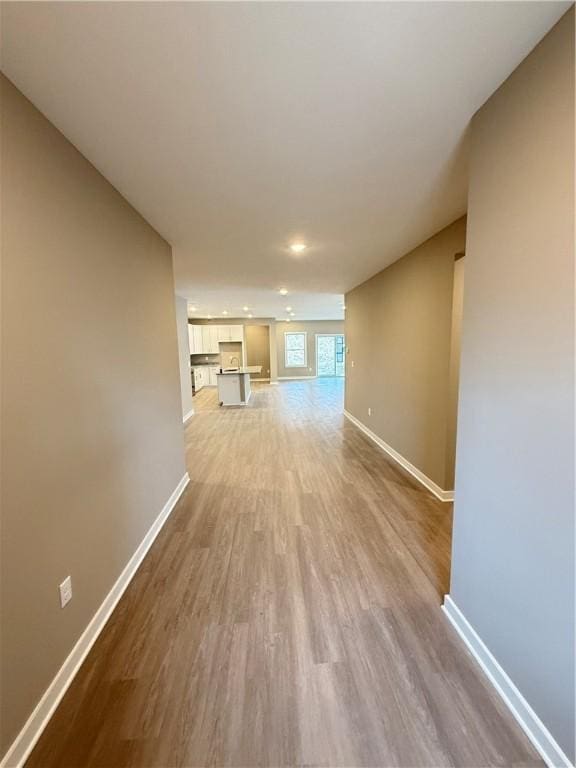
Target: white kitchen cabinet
{"type": "Point", "coordinates": [236, 332]}
{"type": "Point", "coordinates": [205, 339]}
{"type": "Point", "coordinates": [223, 332]}
{"type": "Point", "coordinates": [205, 376]}
{"type": "Point", "coordinates": [195, 339]}
{"type": "Point", "coordinates": [198, 339]}
{"type": "Point", "coordinates": [214, 339]}
{"type": "Point", "coordinates": [199, 377]}
{"type": "Point", "coordinates": [230, 333]}
{"type": "Point", "coordinates": [213, 375]}
{"type": "Point", "coordinates": [191, 344]}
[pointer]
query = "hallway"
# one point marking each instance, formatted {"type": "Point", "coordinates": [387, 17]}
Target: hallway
{"type": "Point", "coordinates": [288, 613]}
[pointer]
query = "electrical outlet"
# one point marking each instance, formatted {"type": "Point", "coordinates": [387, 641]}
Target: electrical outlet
{"type": "Point", "coordinates": [369, 411]}
{"type": "Point", "coordinates": [352, 363]}
{"type": "Point", "coordinates": [65, 591]}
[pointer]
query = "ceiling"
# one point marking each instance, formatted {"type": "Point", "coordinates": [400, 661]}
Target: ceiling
{"type": "Point", "coordinates": [236, 128]}
{"type": "Point", "coordinates": [262, 302]}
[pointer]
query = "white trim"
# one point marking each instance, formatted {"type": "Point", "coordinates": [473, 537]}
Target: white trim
{"type": "Point", "coordinates": [259, 379]}
{"type": "Point", "coordinates": [293, 378]}
{"type": "Point", "coordinates": [40, 717]}
{"type": "Point", "coordinates": [440, 493]}
{"type": "Point", "coordinates": [187, 415]}
{"type": "Point", "coordinates": [529, 721]}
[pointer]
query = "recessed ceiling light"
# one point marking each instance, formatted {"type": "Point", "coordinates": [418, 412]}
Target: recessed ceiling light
{"type": "Point", "coordinates": [287, 319]}
{"type": "Point", "coordinates": [209, 317]}
{"type": "Point", "coordinates": [192, 309]}
{"type": "Point", "coordinates": [244, 309]}
{"type": "Point", "coordinates": [250, 315]}
{"type": "Point", "coordinates": [224, 311]}
{"type": "Point", "coordinates": [282, 291]}
{"type": "Point", "coordinates": [288, 309]}
{"type": "Point", "coordinates": [297, 247]}
{"type": "Point", "coordinates": [292, 314]}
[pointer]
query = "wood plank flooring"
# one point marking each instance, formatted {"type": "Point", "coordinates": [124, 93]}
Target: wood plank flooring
{"type": "Point", "coordinates": [287, 615]}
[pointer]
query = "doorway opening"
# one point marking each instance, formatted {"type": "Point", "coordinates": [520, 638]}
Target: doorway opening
{"type": "Point", "coordinates": [330, 350]}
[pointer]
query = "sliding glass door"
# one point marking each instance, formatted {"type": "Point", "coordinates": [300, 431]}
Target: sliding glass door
{"type": "Point", "coordinates": [329, 354]}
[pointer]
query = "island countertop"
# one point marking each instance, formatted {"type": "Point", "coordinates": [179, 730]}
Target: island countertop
{"type": "Point", "coordinates": [245, 369]}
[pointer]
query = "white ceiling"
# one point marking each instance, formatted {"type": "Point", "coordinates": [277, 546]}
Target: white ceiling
{"type": "Point", "coordinates": [262, 302]}
{"type": "Point", "coordinates": [235, 128]}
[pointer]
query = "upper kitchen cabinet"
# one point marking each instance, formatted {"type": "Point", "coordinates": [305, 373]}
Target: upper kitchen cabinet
{"type": "Point", "coordinates": [214, 339]}
{"type": "Point", "coordinates": [223, 332]}
{"type": "Point", "coordinates": [236, 332]}
{"type": "Point", "coordinates": [195, 339]}
{"type": "Point", "coordinates": [230, 333]}
{"type": "Point", "coordinates": [204, 339]}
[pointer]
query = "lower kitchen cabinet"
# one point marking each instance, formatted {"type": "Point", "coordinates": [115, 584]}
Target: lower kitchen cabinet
{"type": "Point", "coordinates": [200, 377]}
{"type": "Point", "coordinates": [205, 376]}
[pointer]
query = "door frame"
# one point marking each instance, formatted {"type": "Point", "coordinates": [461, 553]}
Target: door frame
{"type": "Point", "coordinates": [334, 375]}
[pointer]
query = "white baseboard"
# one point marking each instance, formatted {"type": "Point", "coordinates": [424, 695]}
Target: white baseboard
{"type": "Point", "coordinates": [40, 717]}
{"type": "Point", "coordinates": [529, 721]}
{"type": "Point", "coordinates": [404, 463]}
{"type": "Point", "coordinates": [294, 378]}
{"type": "Point", "coordinates": [187, 415]}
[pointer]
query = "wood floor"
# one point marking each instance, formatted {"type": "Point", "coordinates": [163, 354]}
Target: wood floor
{"type": "Point", "coordinates": [287, 615]}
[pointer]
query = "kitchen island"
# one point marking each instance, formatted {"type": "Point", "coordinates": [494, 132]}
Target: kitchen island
{"type": "Point", "coordinates": [234, 385]}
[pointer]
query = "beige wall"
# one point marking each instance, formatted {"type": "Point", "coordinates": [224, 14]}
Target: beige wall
{"type": "Point", "coordinates": [92, 442]}
{"type": "Point", "coordinates": [184, 355]}
{"type": "Point", "coordinates": [311, 328]}
{"type": "Point", "coordinates": [513, 542]}
{"type": "Point", "coordinates": [398, 335]}
{"type": "Point", "coordinates": [258, 349]}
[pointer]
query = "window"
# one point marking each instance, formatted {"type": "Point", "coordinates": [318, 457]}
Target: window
{"type": "Point", "coordinates": [295, 350]}
{"type": "Point", "coordinates": [339, 349]}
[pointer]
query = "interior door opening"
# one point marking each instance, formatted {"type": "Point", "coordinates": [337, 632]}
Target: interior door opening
{"type": "Point", "coordinates": [330, 350]}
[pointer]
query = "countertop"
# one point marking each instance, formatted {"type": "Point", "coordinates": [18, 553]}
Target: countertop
{"type": "Point", "coordinates": [245, 369]}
